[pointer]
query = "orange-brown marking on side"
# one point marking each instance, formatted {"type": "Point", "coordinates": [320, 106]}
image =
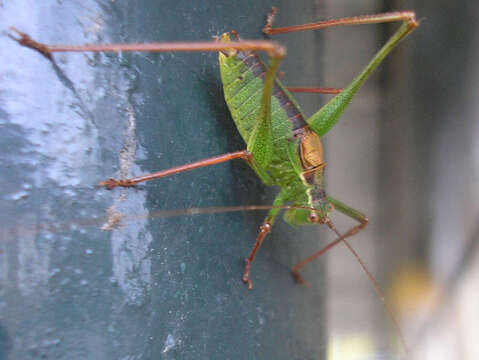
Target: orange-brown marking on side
{"type": "Point", "coordinates": [311, 151]}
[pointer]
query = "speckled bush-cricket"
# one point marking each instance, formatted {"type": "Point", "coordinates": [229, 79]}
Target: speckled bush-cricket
{"type": "Point", "coordinates": [283, 147]}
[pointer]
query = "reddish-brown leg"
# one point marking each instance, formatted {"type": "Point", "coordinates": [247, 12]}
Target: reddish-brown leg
{"type": "Point", "coordinates": [355, 20]}
{"type": "Point", "coordinates": [363, 221]}
{"type": "Point", "coordinates": [409, 16]}
{"type": "Point", "coordinates": [112, 183]}
{"type": "Point", "coordinates": [264, 229]}
{"type": "Point", "coordinates": [350, 232]}
{"type": "Point", "coordinates": [274, 50]}
{"type": "Point", "coordinates": [314, 90]}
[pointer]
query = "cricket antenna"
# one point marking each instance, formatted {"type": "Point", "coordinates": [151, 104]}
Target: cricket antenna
{"type": "Point", "coordinates": [115, 220]}
{"type": "Point", "coordinates": [342, 237]}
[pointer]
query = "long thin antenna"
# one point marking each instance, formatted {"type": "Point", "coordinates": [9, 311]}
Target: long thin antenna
{"type": "Point", "coordinates": [373, 282]}
{"type": "Point", "coordinates": [55, 227]}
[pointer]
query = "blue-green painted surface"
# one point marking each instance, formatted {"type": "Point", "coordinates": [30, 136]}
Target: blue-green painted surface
{"type": "Point", "coordinates": [166, 288]}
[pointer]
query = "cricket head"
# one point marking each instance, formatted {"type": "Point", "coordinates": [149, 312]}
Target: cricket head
{"type": "Point", "coordinates": [226, 38]}
{"type": "Point", "coordinates": [226, 57]}
{"type": "Point", "coordinates": [223, 38]}
{"type": "Point", "coordinates": [320, 214]}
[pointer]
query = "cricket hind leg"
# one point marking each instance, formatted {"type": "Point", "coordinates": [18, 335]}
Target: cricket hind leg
{"type": "Point", "coordinates": [311, 90]}
{"type": "Point", "coordinates": [399, 16]}
{"type": "Point", "coordinates": [348, 211]}
{"type": "Point", "coordinates": [260, 143]}
{"type": "Point", "coordinates": [396, 16]}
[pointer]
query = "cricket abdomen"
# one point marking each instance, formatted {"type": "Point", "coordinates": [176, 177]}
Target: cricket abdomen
{"type": "Point", "coordinates": [242, 74]}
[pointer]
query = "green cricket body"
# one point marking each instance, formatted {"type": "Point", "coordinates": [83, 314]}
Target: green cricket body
{"type": "Point", "coordinates": [285, 146]}
{"type": "Point", "coordinates": [297, 163]}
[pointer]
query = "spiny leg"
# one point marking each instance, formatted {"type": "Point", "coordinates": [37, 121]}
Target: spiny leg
{"type": "Point", "coordinates": [407, 17]}
{"type": "Point", "coordinates": [265, 228]}
{"type": "Point", "coordinates": [113, 183]}
{"type": "Point", "coordinates": [315, 90]}
{"type": "Point", "coordinates": [354, 214]}
{"type": "Point", "coordinates": [274, 51]}
{"type": "Point", "coordinates": [260, 143]}
{"type": "Point", "coordinates": [404, 16]}
{"type": "Point", "coordinates": [312, 90]}
{"type": "Point", "coordinates": [363, 221]}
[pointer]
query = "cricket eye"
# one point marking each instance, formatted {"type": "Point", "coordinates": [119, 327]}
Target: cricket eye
{"type": "Point", "coordinates": [313, 217]}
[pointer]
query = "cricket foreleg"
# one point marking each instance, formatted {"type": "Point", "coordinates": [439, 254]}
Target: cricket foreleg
{"type": "Point", "coordinates": [264, 230]}
{"type": "Point", "coordinates": [346, 210]}
{"type": "Point", "coordinates": [112, 183]}
{"type": "Point", "coordinates": [341, 237]}
{"type": "Point", "coordinates": [260, 143]}
{"type": "Point", "coordinates": [363, 221]}
{"type": "Point", "coordinates": [327, 116]}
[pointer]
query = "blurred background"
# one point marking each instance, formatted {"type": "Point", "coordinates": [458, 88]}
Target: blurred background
{"type": "Point", "coordinates": [412, 142]}
{"type": "Point", "coordinates": [86, 273]}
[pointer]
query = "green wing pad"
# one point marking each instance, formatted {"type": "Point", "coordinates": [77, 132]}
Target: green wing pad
{"type": "Point", "coordinates": [243, 92]}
